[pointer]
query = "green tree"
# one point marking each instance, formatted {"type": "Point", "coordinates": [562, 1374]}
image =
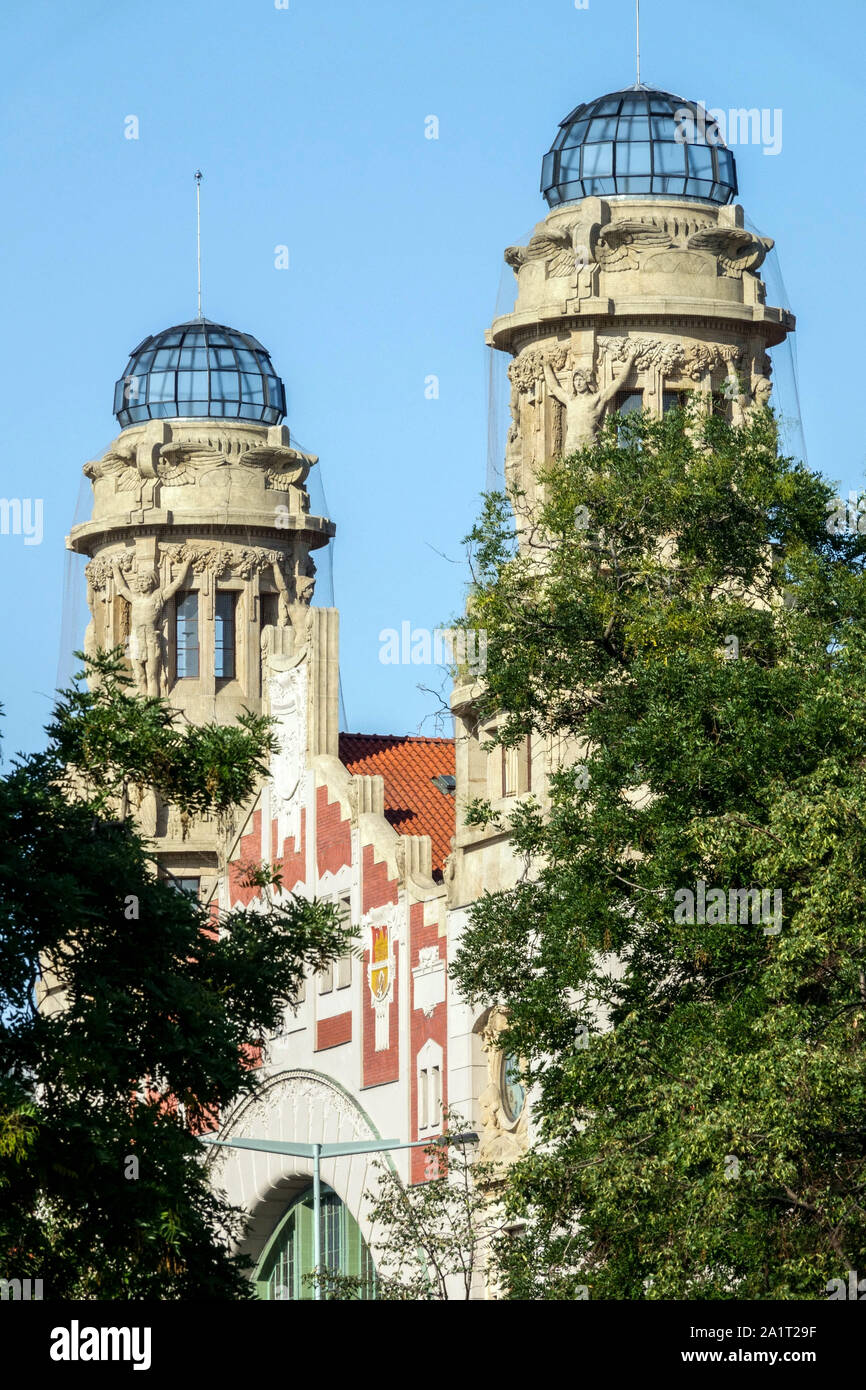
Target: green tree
{"type": "Point", "coordinates": [103, 1192]}
{"type": "Point", "coordinates": [432, 1239]}
{"type": "Point", "coordinates": [686, 619]}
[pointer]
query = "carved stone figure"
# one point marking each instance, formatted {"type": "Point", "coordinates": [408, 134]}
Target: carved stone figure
{"type": "Point", "coordinates": [761, 392]}
{"type": "Point", "coordinates": [616, 245]}
{"type": "Point", "coordinates": [301, 618]}
{"type": "Point", "coordinates": [283, 601]}
{"type": "Point", "coordinates": [735, 249]}
{"type": "Point", "coordinates": [94, 635]}
{"type": "Point", "coordinates": [585, 404]}
{"type": "Point", "coordinates": [743, 405]}
{"type": "Point", "coordinates": [146, 602]}
{"type": "Point", "coordinates": [551, 244]}
{"type": "Point", "coordinates": [127, 466]}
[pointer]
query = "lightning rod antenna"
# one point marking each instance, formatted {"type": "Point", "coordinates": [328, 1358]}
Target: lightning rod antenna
{"type": "Point", "coordinates": [637, 38]}
{"type": "Point", "coordinates": [198, 232]}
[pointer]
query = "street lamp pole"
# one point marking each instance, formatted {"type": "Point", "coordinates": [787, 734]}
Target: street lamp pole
{"type": "Point", "coordinates": [317, 1217]}
{"type": "Point", "coordinates": [319, 1151]}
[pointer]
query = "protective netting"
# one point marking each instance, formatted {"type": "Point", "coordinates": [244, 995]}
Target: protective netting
{"type": "Point", "coordinates": [324, 595]}
{"type": "Point", "coordinates": [74, 614]}
{"type": "Point", "coordinates": [498, 385]}
{"type": "Point", "coordinates": [785, 399]}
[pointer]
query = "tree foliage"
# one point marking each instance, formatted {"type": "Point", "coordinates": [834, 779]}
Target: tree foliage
{"type": "Point", "coordinates": [686, 621]}
{"type": "Point", "coordinates": [103, 1192]}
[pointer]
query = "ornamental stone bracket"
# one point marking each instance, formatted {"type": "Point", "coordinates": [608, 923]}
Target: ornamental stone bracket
{"type": "Point", "coordinates": [428, 981]}
{"type": "Point", "coordinates": [503, 1139]}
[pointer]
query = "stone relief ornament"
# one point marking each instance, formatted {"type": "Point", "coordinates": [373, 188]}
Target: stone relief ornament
{"type": "Point", "coordinates": [428, 981]}
{"type": "Point", "coordinates": [616, 245]}
{"type": "Point", "coordinates": [735, 249]}
{"type": "Point", "coordinates": [119, 464]}
{"type": "Point", "coordinates": [146, 601]}
{"type": "Point", "coordinates": [285, 1094]}
{"type": "Point", "coordinates": [668, 356]}
{"type": "Point", "coordinates": [287, 692]}
{"type": "Point", "coordinates": [100, 571]}
{"type": "Point", "coordinates": [552, 244]}
{"type": "Point", "coordinates": [181, 462]}
{"type": "Point", "coordinates": [621, 245]}
{"type": "Point", "coordinates": [218, 560]}
{"type": "Point", "coordinates": [672, 358]}
{"type": "Point", "coordinates": [130, 466]}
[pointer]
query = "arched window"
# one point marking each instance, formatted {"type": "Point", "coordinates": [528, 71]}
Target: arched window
{"type": "Point", "coordinates": [288, 1256]}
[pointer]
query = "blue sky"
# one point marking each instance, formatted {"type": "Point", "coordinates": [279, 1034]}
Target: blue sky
{"type": "Point", "coordinates": [308, 123]}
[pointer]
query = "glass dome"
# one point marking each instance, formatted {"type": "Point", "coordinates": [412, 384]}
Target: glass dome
{"type": "Point", "coordinates": [200, 369]}
{"type": "Point", "coordinates": [638, 142]}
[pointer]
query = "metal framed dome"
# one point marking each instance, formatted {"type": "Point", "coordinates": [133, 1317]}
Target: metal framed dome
{"type": "Point", "coordinates": [638, 142]}
{"type": "Point", "coordinates": [201, 369]}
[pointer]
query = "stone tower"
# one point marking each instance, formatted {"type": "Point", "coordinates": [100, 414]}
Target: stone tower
{"type": "Point", "coordinates": [642, 283]}
{"type": "Point", "coordinates": [201, 542]}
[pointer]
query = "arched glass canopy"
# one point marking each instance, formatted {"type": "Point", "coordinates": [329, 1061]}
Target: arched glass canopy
{"type": "Point", "coordinates": [638, 142]}
{"type": "Point", "coordinates": [200, 369]}
{"type": "Point", "coordinates": [287, 1262]}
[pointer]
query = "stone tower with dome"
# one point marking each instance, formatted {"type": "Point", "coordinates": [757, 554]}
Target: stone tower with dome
{"type": "Point", "coordinates": [201, 540]}
{"type": "Point", "coordinates": [641, 284]}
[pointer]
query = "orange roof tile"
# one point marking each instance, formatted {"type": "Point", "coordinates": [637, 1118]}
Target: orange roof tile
{"type": "Point", "coordinates": [413, 805]}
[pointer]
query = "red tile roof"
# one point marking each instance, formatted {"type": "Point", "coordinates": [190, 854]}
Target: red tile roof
{"type": "Point", "coordinates": [408, 764]}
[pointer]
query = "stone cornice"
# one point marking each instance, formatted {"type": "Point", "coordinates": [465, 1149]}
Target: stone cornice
{"type": "Point", "coordinates": [176, 526]}
{"type": "Point", "coordinates": [510, 332]}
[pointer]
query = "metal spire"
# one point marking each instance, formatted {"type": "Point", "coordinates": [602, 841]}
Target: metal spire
{"type": "Point", "coordinates": [198, 232]}
{"type": "Point", "coordinates": [637, 40]}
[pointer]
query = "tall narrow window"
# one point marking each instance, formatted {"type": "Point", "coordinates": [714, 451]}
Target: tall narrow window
{"type": "Point", "coordinates": [224, 635]}
{"type": "Point", "coordinates": [435, 1095]}
{"type": "Point", "coordinates": [187, 635]}
{"type": "Point", "coordinates": [429, 1074]}
{"type": "Point", "coordinates": [510, 764]}
{"type": "Point", "coordinates": [270, 609]}
{"type": "Point", "coordinates": [423, 1098]}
